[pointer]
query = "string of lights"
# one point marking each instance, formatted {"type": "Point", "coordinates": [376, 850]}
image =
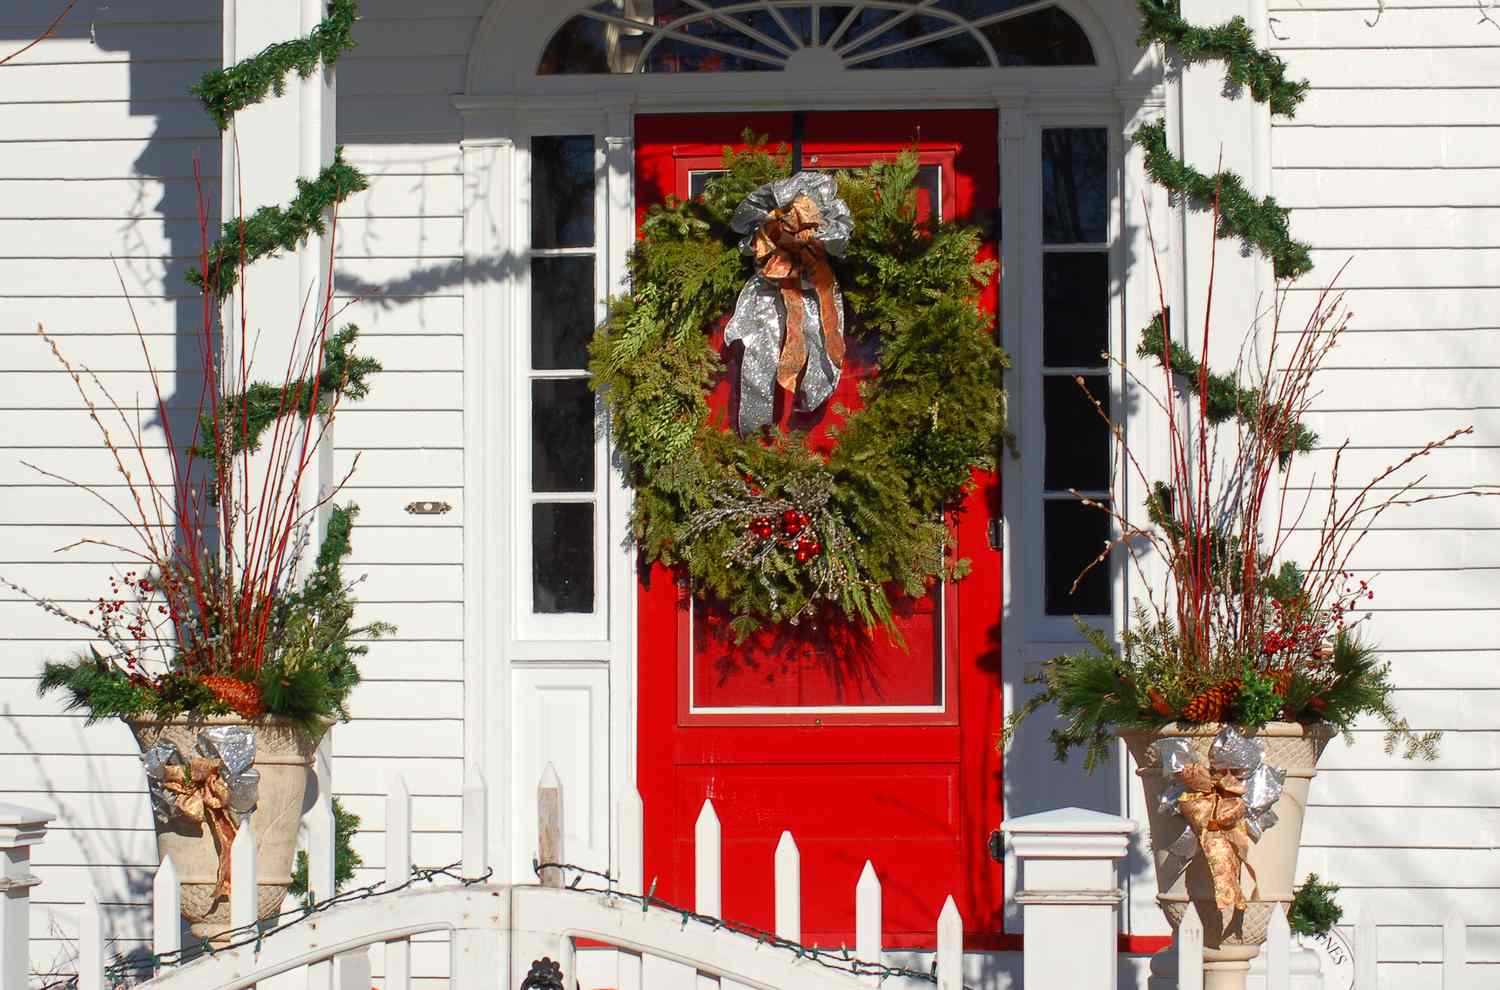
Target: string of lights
{"type": "Point", "coordinates": [126, 968]}
{"type": "Point", "coordinates": [840, 959]}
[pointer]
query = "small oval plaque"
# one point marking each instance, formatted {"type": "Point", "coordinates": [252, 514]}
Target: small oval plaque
{"type": "Point", "coordinates": [428, 508]}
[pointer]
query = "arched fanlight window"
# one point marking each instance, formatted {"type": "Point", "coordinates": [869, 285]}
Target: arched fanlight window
{"type": "Point", "coordinates": [764, 35]}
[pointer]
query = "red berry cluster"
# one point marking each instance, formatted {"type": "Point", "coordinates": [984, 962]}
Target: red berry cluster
{"type": "Point", "coordinates": [795, 533]}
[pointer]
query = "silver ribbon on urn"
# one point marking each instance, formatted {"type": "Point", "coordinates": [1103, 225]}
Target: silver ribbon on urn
{"type": "Point", "coordinates": [1224, 806]}
{"type": "Point", "coordinates": [790, 314]}
{"type": "Point", "coordinates": [231, 746]}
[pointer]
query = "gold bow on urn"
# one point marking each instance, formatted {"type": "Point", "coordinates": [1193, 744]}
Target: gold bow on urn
{"type": "Point", "coordinates": [202, 794]}
{"type": "Point", "coordinates": [1226, 804]}
{"type": "Point", "coordinates": [791, 228]}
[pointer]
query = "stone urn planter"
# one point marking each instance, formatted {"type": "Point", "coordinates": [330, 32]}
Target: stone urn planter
{"type": "Point", "coordinates": [283, 760]}
{"type": "Point", "coordinates": [1228, 950]}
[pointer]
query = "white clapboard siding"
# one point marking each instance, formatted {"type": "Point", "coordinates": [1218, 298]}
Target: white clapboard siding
{"type": "Point", "coordinates": [1385, 172]}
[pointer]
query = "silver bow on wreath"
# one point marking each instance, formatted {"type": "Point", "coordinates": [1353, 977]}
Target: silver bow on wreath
{"type": "Point", "coordinates": [791, 227]}
{"type": "Point", "coordinates": [1225, 805]}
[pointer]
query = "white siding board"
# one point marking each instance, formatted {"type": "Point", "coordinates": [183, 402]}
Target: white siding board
{"type": "Point", "coordinates": [1391, 164]}
{"type": "Point", "coordinates": [1357, 185]}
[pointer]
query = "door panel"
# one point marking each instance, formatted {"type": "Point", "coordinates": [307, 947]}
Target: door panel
{"type": "Point", "coordinates": [863, 749]}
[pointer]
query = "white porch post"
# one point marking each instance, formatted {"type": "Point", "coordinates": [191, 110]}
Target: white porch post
{"type": "Point", "coordinates": [20, 829]}
{"type": "Point", "coordinates": [268, 147]}
{"type": "Point", "coordinates": [1217, 132]}
{"type": "Point", "coordinates": [1070, 895]}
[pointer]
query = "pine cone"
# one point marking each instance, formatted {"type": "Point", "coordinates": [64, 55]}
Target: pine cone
{"type": "Point", "coordinates": [1212, 705]}
{"type": "Point", "coordinates": [1283, 680]}
{"type": "Point", "coordinates": [242, 696]}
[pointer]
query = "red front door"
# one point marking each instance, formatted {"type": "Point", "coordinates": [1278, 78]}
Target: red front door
{"type": "Point", "coordinates": [861, 749]}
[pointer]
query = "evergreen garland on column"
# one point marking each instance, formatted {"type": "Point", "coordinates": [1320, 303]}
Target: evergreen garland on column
{"type": "Point", "coordinates": [245, 240]}
{"type": "Point", "coordinates": [1260, 223]}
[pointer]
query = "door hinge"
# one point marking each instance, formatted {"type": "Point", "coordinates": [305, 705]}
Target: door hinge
{"type": "Point", "coordinates": [997, 846]}
{"type": "Point", "coordinates": [997, 534]}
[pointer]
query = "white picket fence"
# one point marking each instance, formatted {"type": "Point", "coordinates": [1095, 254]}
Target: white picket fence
{"type": "Point", "coordinates": [498, 931]}
{"type": "Point", "coordinates": [1456, 972]}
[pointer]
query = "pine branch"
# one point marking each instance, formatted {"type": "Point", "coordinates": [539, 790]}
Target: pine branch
{"type": "Point", "coordinates": [1227, 399]}
{"type": "Point", "coordinates": [244, 416]}
{"type": "Point", "coordinates": [225, 92]}
{"type": "Point", "coordinates": [1232, 43]}
{"type": "Point", "coordinates": [269, 229]}
{"type": "Point", "coordinates": [1259, 223]}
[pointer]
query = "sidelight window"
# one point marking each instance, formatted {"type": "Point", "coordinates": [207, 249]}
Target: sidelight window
{"type": "Point", "coordinates": [1075, 386]}
{"type": "Point", "coordinates": [565, 479]}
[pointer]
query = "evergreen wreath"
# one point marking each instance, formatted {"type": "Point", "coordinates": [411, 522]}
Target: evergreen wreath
{"type": "Point", "coordinates": [770, 528]}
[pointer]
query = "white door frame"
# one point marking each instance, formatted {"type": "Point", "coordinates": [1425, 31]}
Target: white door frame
{"type": "Point", "coordinates": [504, 106]}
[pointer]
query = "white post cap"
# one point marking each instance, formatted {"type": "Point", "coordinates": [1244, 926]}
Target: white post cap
{"type": "Point", "coordinates": [1070, 833]}
{"type": "Point", "coordinates": [22, 826]}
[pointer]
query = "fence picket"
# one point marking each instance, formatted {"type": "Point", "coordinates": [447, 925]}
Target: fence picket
{"type": "Point", "coordinates": [166, 912]}
{"type": "Point", "coordinates": [244, 891]}
{"type": "Point", "coordinates": [950, 947]}
{"type": "Point", "coordinates": [321, 870]}
{"type": "Point", "coordinates": [707, 862]}
{"type": "Point", "coordinates": [90, 943]}
{"type": "Point", "coordinates": [397, 873]}
{"type": "Point", "coordinates": [867, 915]}
{"type": "Point", "coordinates": [632, 841]}
{"type": "Point", "coordinates": [352, 971]}
{"type": "Point", "coordinates": [549, 835]}
{"type": "Point", "coordinates": [1190, 950]}
{"type": "Point", "coordinates": [788, 888]}
{"type": "Point", "coordinates": [666, 974]}
{"type": "Point", "coordinates": [476, 853]}
{"type": "Point", "coordinates": [1366, 950]}
{"type": "Point", "coordinates": [1455, 953]}
{"type": "Point", "coordinates": [1278, 951]}
{"type": "Point", "coordinates": [628, 971]}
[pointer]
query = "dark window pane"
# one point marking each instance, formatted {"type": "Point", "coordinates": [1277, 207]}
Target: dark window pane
{"type": "Point", "coordinates": [674, 55]}
{"type": "Point", "coordinates": [956, 51]}
{"type": "Point", "coordinates": [799, 19]}
{"type": "Point", "coordinates": [712, 29]}
{"type": "Point", "coordinates": [656, 11]}
{"type": "Point", "coordinates": [578, 46]}
{"type": "Point", "coordinates": [562, 312]}
{"type": "Point", "coordinates": [562, 557]}
{"type": "Point", "coordinates": [867, 19]}
{"type": "Point", "coordinates": [562, 192]}
{"type": "Point", "coordinates": [829, 19]}
{"type": "Point", "coordinates": [906, 29]}
{"type": "Point", "coordinates": [562, 436]}
{"type": "Point", "coordinates": [1075, 309]}
{"type": "Point", "coordinates": [763, 22]}
{"type": "Point", "coordinates": [1077, 448]}
{"type": "Point", "coordinates": [1075, 190]}
{"type": "Point", "coordinates": [1075, 535]}
{"type": "Point", "coordinates": [1045, 37]}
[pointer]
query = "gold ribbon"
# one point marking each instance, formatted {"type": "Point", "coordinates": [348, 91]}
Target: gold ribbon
{"type": "Point", "coordinates": [1214, 806]}
{"type": "Point", "coordinates": [203, 796]}
{"type": "Point", "coordinates": [787, 251]}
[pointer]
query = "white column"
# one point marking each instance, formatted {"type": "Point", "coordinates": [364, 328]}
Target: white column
{"type": "Point", "coordinates": [268, 147]}
{"type": "Point", "coordinates": [1220, 132]}
{"type": "Point", "coordinates": [20, 829]}
{"type": "Point", "coordinates": [1070, 895]}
